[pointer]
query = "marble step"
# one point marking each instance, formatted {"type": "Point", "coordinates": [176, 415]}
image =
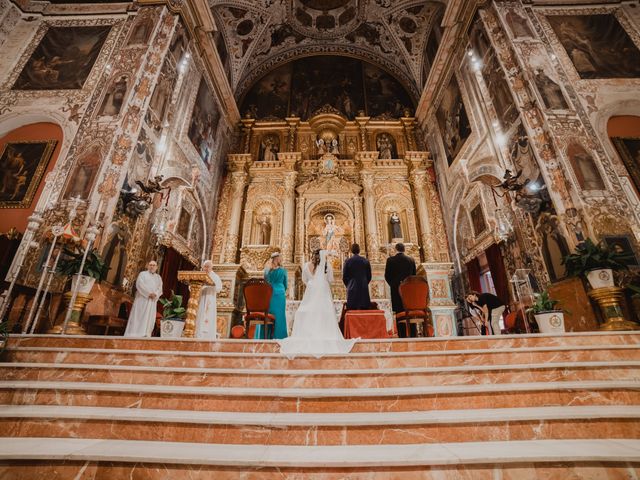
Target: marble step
{"type": "Point", "coordinates": [325, 457]}
{"type": "Point", "coordinates": [177, 358]}
{"type": "Point", "coordinates": [472, 425]}
{"type": "Point", "coordinates": [396, 345]}
{"type": "Point", "coordinates": [353, 378]}
{"type": "Point", "coordinates": [316, 400]}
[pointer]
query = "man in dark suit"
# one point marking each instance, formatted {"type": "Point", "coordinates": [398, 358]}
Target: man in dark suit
{"type": "Point", "coordinates": [398, 267]}
{"type": "Point", "coordinates": [356, 275]}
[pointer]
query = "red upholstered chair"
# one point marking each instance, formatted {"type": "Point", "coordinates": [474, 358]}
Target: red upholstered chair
{"type": "Point", "coordinates": [414, 291]}
{"type": "Point", "coordinates": [257, 296]}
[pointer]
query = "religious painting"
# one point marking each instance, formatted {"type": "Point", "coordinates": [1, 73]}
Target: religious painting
{"type": "Point", "coordinates": [477, 220]}
{"type": "Point", "coordinates": [269, 97]}
{"type": "Point", "coordinates": [453, 121]}
{"type": "Point", "coordinates": [161, 98]}
{"type": "Point", "coordinates": [113, 99]}
{"type": "Point", "coordinates": [629, 151]}
{"type": "Point", "coordinates": [63, 59]}
{"type": "Point", "coordinates": [320, 81]}
{"type": "Point", "coordinates": [204, 122]}
{"type": "Point", "coordinates": [598, 45]}
{"type": "Point", "coordinates": [142, 157]}
{"type": "Point", "coordinates": [304, 86]}
{"type": "Point", "coordinates": [179, 43]}
{"type": "Point", "coordinates": [499, 90]}
{"type": "Point", "coordinates": [621, 244]}
{"type": "Point", "coordinates": [517, 24]}
{"type": "Point", "coordinates": [553, 245]}
{"type": "Point", "coordinates": [22, 165]}
{"type": "Point", "coordinates": [550, 91]}
{"type": "Point", "coordinates": [84, 174]}
{"type": "Point", "coordinates": [385, 96]}
{"type": "Point", "coordinates": [584, 167]}
{"type": "Point", "coordinates": [184, 222]}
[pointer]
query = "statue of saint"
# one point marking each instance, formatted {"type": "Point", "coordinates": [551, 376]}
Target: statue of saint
{"type": "Point", "coordinates": [385, 147]}
{"type": "Point", "coordinates": [396, 228]}
{"type": "Point", "coordinates": [335, 148]}
{"type": "Point", "coordinates": [331, 233]}
{"type": "Point", "coordinates": [322, 149]}
{"type": "Point", "coordinates": [265, 230]}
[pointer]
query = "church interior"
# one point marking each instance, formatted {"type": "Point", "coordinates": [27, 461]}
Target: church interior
{"type": "Point", "coordinates": [498, 141]}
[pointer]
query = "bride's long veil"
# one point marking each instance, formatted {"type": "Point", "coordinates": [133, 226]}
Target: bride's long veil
{"type": "Point", "coordinates": [315, 328]}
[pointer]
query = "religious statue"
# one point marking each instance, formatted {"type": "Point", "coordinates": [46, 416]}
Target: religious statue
{"type": "Point", "coordinates": [385, 146]}
{"type": "Point", "coordinates": [265, 230]}
{"type": "Point", "coordinates": [335, 149]}
{"type": "Point", "coordinates": [331, 233]}
{"type": "Point", "coordinates": [322, 149]}
{"type": "Point", "coordinates": [269, 149]}
{"type": "Point", "coordinates": [396, 228]}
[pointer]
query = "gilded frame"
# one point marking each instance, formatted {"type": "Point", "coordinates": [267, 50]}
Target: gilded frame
{"type": "Point", "coordinates": [33, 182]}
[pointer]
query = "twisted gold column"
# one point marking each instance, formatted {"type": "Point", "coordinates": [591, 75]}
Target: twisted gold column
{"type": "Point", "coordinates": [610, 300]}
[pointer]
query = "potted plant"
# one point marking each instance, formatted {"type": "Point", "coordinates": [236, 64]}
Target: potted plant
{"type": "Point", "coordinates": [173, 314]}
{"type": "Point", "coordinates": [94, 269]}
{"type": "Point", "coordinates": [549, 318]}
{"type": "Point", "coordinates": [596, 262]}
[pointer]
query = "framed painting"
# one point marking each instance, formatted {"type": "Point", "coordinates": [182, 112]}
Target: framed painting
{"type": "Point", "coordinates": [477, 219]}
{"type": "Point", "coordinates": [204, 122]}
{"type": "Point", "coordinates": [22, 165]}
{"type": "Point", "coordinates": [184, 223]}
{"type": "Point", "coordinates": [622, 244]}
{"type": "Point", "coordinates": [63, 59]}
{"type": "Point", "coordinates": [453, 121]}
{"type": "Point", "coordinates": [629, 151]}
{"type": "Point", "coordinates": [597, 45]}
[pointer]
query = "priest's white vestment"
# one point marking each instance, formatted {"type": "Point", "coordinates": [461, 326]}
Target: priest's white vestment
{"type": "Point", "coordinates": [143, 313]}
{"type": "Point", "coordinates": [207, 319]}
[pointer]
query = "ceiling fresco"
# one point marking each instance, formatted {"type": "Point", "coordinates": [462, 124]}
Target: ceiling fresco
{"type": "Point", "coordinates": [301, 88]}
{"type": "Point", "coordinates": [262, 35]}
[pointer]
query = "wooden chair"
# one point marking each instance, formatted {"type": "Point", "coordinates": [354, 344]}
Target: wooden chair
{"type": "Point", "coordinates": [414, 292]}
{"type": "Point", "coordinates": [257, 296]}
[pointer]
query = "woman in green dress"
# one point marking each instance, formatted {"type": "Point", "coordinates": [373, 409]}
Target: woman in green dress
{"type": "Point", "coordinates": [276, 275]}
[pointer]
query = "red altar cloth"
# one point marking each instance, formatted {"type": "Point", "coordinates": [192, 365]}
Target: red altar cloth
{"type": "Point", "coordinates": [365, 324]}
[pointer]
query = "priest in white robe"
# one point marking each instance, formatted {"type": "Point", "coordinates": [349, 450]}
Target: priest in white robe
{"type": "Point", "coordinates": [143, 313]}
{"type": "Point", "coordinates": [207, 319]}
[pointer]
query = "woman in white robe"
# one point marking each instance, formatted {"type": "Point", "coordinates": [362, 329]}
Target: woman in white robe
{"type": "Point", "coordinates": [207, 319]}
{"type": "Point", "coordinates": [142, 318]}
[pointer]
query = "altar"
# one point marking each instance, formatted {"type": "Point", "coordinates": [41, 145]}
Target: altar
{"type": "Point", "coordinates": [383, 304]}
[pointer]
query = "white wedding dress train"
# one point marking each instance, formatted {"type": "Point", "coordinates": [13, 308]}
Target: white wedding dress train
{"type": "Point", "coordinates": [315, 327]}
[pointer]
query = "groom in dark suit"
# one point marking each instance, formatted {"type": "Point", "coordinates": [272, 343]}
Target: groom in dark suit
{"type": "Point", "coordinates": [356, 275]}
{"type": "Point", "coordinates": [398, 267]}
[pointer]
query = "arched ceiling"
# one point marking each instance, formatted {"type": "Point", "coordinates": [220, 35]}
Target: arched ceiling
{"type": "Point", "coordinates": [260, 35]}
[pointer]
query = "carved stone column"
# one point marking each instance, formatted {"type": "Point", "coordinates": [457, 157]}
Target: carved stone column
{"type": "Point", "coordinates": [436, 216]}
{"type": "Point", "coordinates": [358, 227]}
{"type": "Point", "coordinates": [291, 136]}
{"type": "Point", "coordinates": [418, 178]}
{"type": "Point", "coordinates": [362, 124]}
{"type": "Point", "coordinates": [247, 127]}
{"type": "Point", "coordinates": [366, 160]}
{"type": "Point", "coordinates": [237, 164]}
{"type": "Point", "coordinates": [300, 230]}
{"type": "Point", "coordinates": [409, 125]}
{"type": "Point", "coordinates": [288, 222]}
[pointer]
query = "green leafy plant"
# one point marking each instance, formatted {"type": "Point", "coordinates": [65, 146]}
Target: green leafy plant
{"type": "Point", "coordinates": [172, 308]}
{"type": "Point", "coordinates": [593, 256]}
{"type": "Point", "coordinates": [4, 334]}
{"type": "Point", "coordinates": [94, 265]}
{"type": "Point", "coordinates": [543, 303]}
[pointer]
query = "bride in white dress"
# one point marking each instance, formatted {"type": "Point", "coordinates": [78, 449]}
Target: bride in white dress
{"type": "Point", "coordinates": [315, 327]}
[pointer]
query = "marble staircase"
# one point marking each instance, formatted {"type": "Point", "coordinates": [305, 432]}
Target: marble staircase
{"type": "Point", "coordinates": [520, 407]}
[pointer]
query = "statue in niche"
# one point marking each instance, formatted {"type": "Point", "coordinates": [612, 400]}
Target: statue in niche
{"type": "Point", "coordinates": [112, 102]}
{"type": "Point", "coordinates": [265, 230]}
{"type": "Point", "coordinates": [385, 145]}
{"type": "Point", "coordinates": [335, 147]}
{"type": "Point", "coordinates": [322, 148]}
{"type": "Point", "coordinates": [331, 233]}
{"type": "Point", "coordinates": [269, 147]}
{"type": "Point", "coordinates": [550, 91]}
{"type": "Point", "coordinates": [395, 225]}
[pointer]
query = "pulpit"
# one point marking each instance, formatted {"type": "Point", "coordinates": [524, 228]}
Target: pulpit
{"type": "Point", "coordinates": [196, 280]}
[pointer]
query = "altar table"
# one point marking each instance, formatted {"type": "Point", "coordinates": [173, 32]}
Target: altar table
{"type": "Point", "coordinates": [383, 304]}
{"type": "Point", "coordinates": [365, 324]}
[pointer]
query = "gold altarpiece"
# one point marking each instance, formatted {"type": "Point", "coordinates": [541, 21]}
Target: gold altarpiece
{"type": "Point", "coordinates": [326, 183]}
